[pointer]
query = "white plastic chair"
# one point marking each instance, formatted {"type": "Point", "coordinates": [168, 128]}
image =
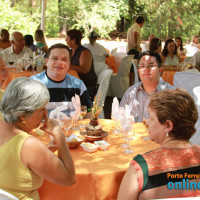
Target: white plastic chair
{"type": "Point", "coordinates": [186, 80]}
{"type": "Point", "coordinates": [135, 66]}
{"type": "Point", "coordinates": [99, 67]}
{"type": "Point", "coordinates": [119, 82]}
{"type": "Point", "coordinates": [118, 58]}
{"type": "Point", "coordinates": [6, 196]}
{"type": "Point", "coordinates": [196, 137]}
{"type": "Point", "coordinates": [187, 60]}
{"type": "Point", "coordinates": [98, 58]}
{"type": "Point", "coordinates": [103, 81]}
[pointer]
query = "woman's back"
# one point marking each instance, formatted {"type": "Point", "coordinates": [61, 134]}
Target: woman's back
{"type": "Point", "coordinates": [15, 177]}
{"type": "Point", "coordinates": [163, 168]}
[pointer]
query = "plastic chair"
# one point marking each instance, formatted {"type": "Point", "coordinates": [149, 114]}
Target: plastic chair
{"type": "Point", "coordinates": [119, 82]}
{"type": "Point", "coordinates": [187, 80]}
{"type": "Point", "coordinates": [103, 81]}
{"type": "Point", "coordinates": [187, 60]}
{"type": "Point", "coordinates": [99, 67]}
{"type": "Point", "coordinates": [6, 196]}
{"type": "Point", "coordinates": [98, 58]}
{"type": "Point", "coordinates": [135, 66]}
{"type": "Point", "coordinates": [118, 58]}
{"type": "Point", "coordinates": [196, 137]}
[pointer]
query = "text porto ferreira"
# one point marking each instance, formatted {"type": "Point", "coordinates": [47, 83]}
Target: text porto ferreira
{"type": "Point", "coordinates": [187, 181]}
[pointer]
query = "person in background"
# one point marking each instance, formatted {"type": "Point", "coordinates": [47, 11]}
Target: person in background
{"type": "Point", "coordinates": [4, 40]}
{"type": "Point", "coordinates": [138, 95]}
{"type": "Point", "coordinates": [17, 50]}
{"type": "Point", "coordinates": [170, 58]}
{"type": "Point", "coordinates": [30, 43]}
{"type": "Point", "coordinates": [155, 45]}
{"type": "Point", "coordinates": [3, 76]}
{"type": "Point", "coordinates": [40, 41]}
{"type": "Point", "coordinates": [82, 62]}
{"type": "Point", "coordinates": [180, 49]}
{"type": "Point", "coordinates": [133, 37]}
{"type": "Point", "coordinates": [195, 41]}
{"type": "Point", "coordinates": [95, 48]}
{"type": "Point", "coordinates": [133, 43]}
{"type": "Point", "coordinates": [62, 86]}
{"type": "Point", "coordinates": [172, 118]}
{"type": "Point", "coordinates": [29, 160]}
{"type": "Point", "coordinates": [147, 43]}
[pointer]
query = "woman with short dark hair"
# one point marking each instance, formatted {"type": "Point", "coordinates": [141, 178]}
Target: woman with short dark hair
{"type": "Point", "coordinates": [172, 118]}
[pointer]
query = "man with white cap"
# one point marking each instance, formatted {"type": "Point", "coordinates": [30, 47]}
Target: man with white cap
{"type": "Point", "coordinates": [94, 47]}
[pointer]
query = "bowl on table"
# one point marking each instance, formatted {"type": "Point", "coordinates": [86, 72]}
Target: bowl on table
{"type": "Point", "coordinates": [74, 141]}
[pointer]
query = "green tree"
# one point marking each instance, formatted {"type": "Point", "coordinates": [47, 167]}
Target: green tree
{"type": "Point", "coordinates": [14, 20]}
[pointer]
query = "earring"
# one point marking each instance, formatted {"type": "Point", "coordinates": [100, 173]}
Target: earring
{"type": "Point", "coordinates": [23, 121]}
{"type": "Point", "coordinates": [167, 134]}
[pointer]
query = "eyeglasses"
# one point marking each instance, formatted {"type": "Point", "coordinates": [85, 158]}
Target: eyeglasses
{"type": "Point", "coordinates": [147, 66]}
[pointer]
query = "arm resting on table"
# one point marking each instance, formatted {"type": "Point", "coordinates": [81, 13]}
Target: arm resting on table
{"type": "Point", "coordinates": [36, 156]}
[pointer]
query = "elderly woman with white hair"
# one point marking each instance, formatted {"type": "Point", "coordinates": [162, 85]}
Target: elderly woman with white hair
{"type": "Point", "coordinates": [29, 160]}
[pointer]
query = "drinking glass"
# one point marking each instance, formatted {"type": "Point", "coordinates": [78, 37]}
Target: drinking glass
{"type": "Point", "coordinates": [83, 114]}
{"type": "Point", "coordinates": [66, 124]}
{"type": "Point", "coordinates": [145, 121]}
{"type": "Point", "coordinates": [129, 133]}
{"type": "Point", "coordinates": [12, 62]}
{"type": "Point", "coordinates": [75, 118]}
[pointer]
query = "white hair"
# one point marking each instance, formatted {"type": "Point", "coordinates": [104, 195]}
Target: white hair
{"type": "Point", "coordinates": [22, 97]}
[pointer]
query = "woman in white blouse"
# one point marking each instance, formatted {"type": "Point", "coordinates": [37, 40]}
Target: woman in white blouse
{"type": "Point", "coordinates": [170, 58]}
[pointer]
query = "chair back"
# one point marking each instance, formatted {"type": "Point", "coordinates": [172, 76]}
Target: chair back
{"type": "Point", "coordinates": [187, 60]}
{"type": "Point", "coordinates": [135, 66]}
{"type": "Point", "coordinates": [98, 58]}
{"type": "Point", "coordinates": [103, 81]}
{"type": "Point", "coordinates": [196, 137]}
{"type": "Point", "coordinates": [125, 65]}
{"type": "Point", "coordinates": [120, 83]}
{"type": "Point", "coordinates": [99, 67]}
{"type": "Point", "coordinates": [187, 80]}
{"type": "Point", "coordinates": [6, 196]}
{"type": "Point", "coordinates": [118, 58]}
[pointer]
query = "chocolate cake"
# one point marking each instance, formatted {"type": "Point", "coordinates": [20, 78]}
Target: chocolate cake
{"type": "Point", "coordinates": [94, 128]}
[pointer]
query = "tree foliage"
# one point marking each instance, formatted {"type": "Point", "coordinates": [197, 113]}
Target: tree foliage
{"type": "Point", "coordinates": [163, 18]}
{"type": "Point", "coordinates": [12, 19]}
{"type": "Point", "coordinates": [171, 18]}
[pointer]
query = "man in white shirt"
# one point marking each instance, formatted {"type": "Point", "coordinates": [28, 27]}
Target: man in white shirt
{"type": "Point", "coordinates": [133, 37]}
{"type": "Point", "coordinates": [133, 42]}
{"type": "Point", "coordinates": [17, 50]}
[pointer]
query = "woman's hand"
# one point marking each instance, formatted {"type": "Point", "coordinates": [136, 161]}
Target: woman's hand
{"type": "Point", "coordinates": [52, 127]}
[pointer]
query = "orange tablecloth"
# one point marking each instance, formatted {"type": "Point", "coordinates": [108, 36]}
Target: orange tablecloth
{"type": "Point", "coordinates": [110, 61]}
{"type": "Point", "coordinates": [13, 75]}
{"type": "Point", "coordinates": [168, 76]}
{"type": "Point", "coordinates": [98, 174]}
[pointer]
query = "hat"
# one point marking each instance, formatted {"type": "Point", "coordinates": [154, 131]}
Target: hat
{"type": "Point", "coordinates": [92, 34]}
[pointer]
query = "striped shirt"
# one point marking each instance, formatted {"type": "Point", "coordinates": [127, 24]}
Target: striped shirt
{"type": "Point", "coordinates": [63, 91]}
{"type": "Point", "coordinates": [138, 100]}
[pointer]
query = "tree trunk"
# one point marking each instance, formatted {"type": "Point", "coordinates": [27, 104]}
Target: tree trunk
{"type": "Point", "coordinates": [13, 3]}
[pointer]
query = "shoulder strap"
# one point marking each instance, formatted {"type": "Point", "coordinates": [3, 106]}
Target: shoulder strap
{"type": "Point", "coordinates": [141, 161]}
